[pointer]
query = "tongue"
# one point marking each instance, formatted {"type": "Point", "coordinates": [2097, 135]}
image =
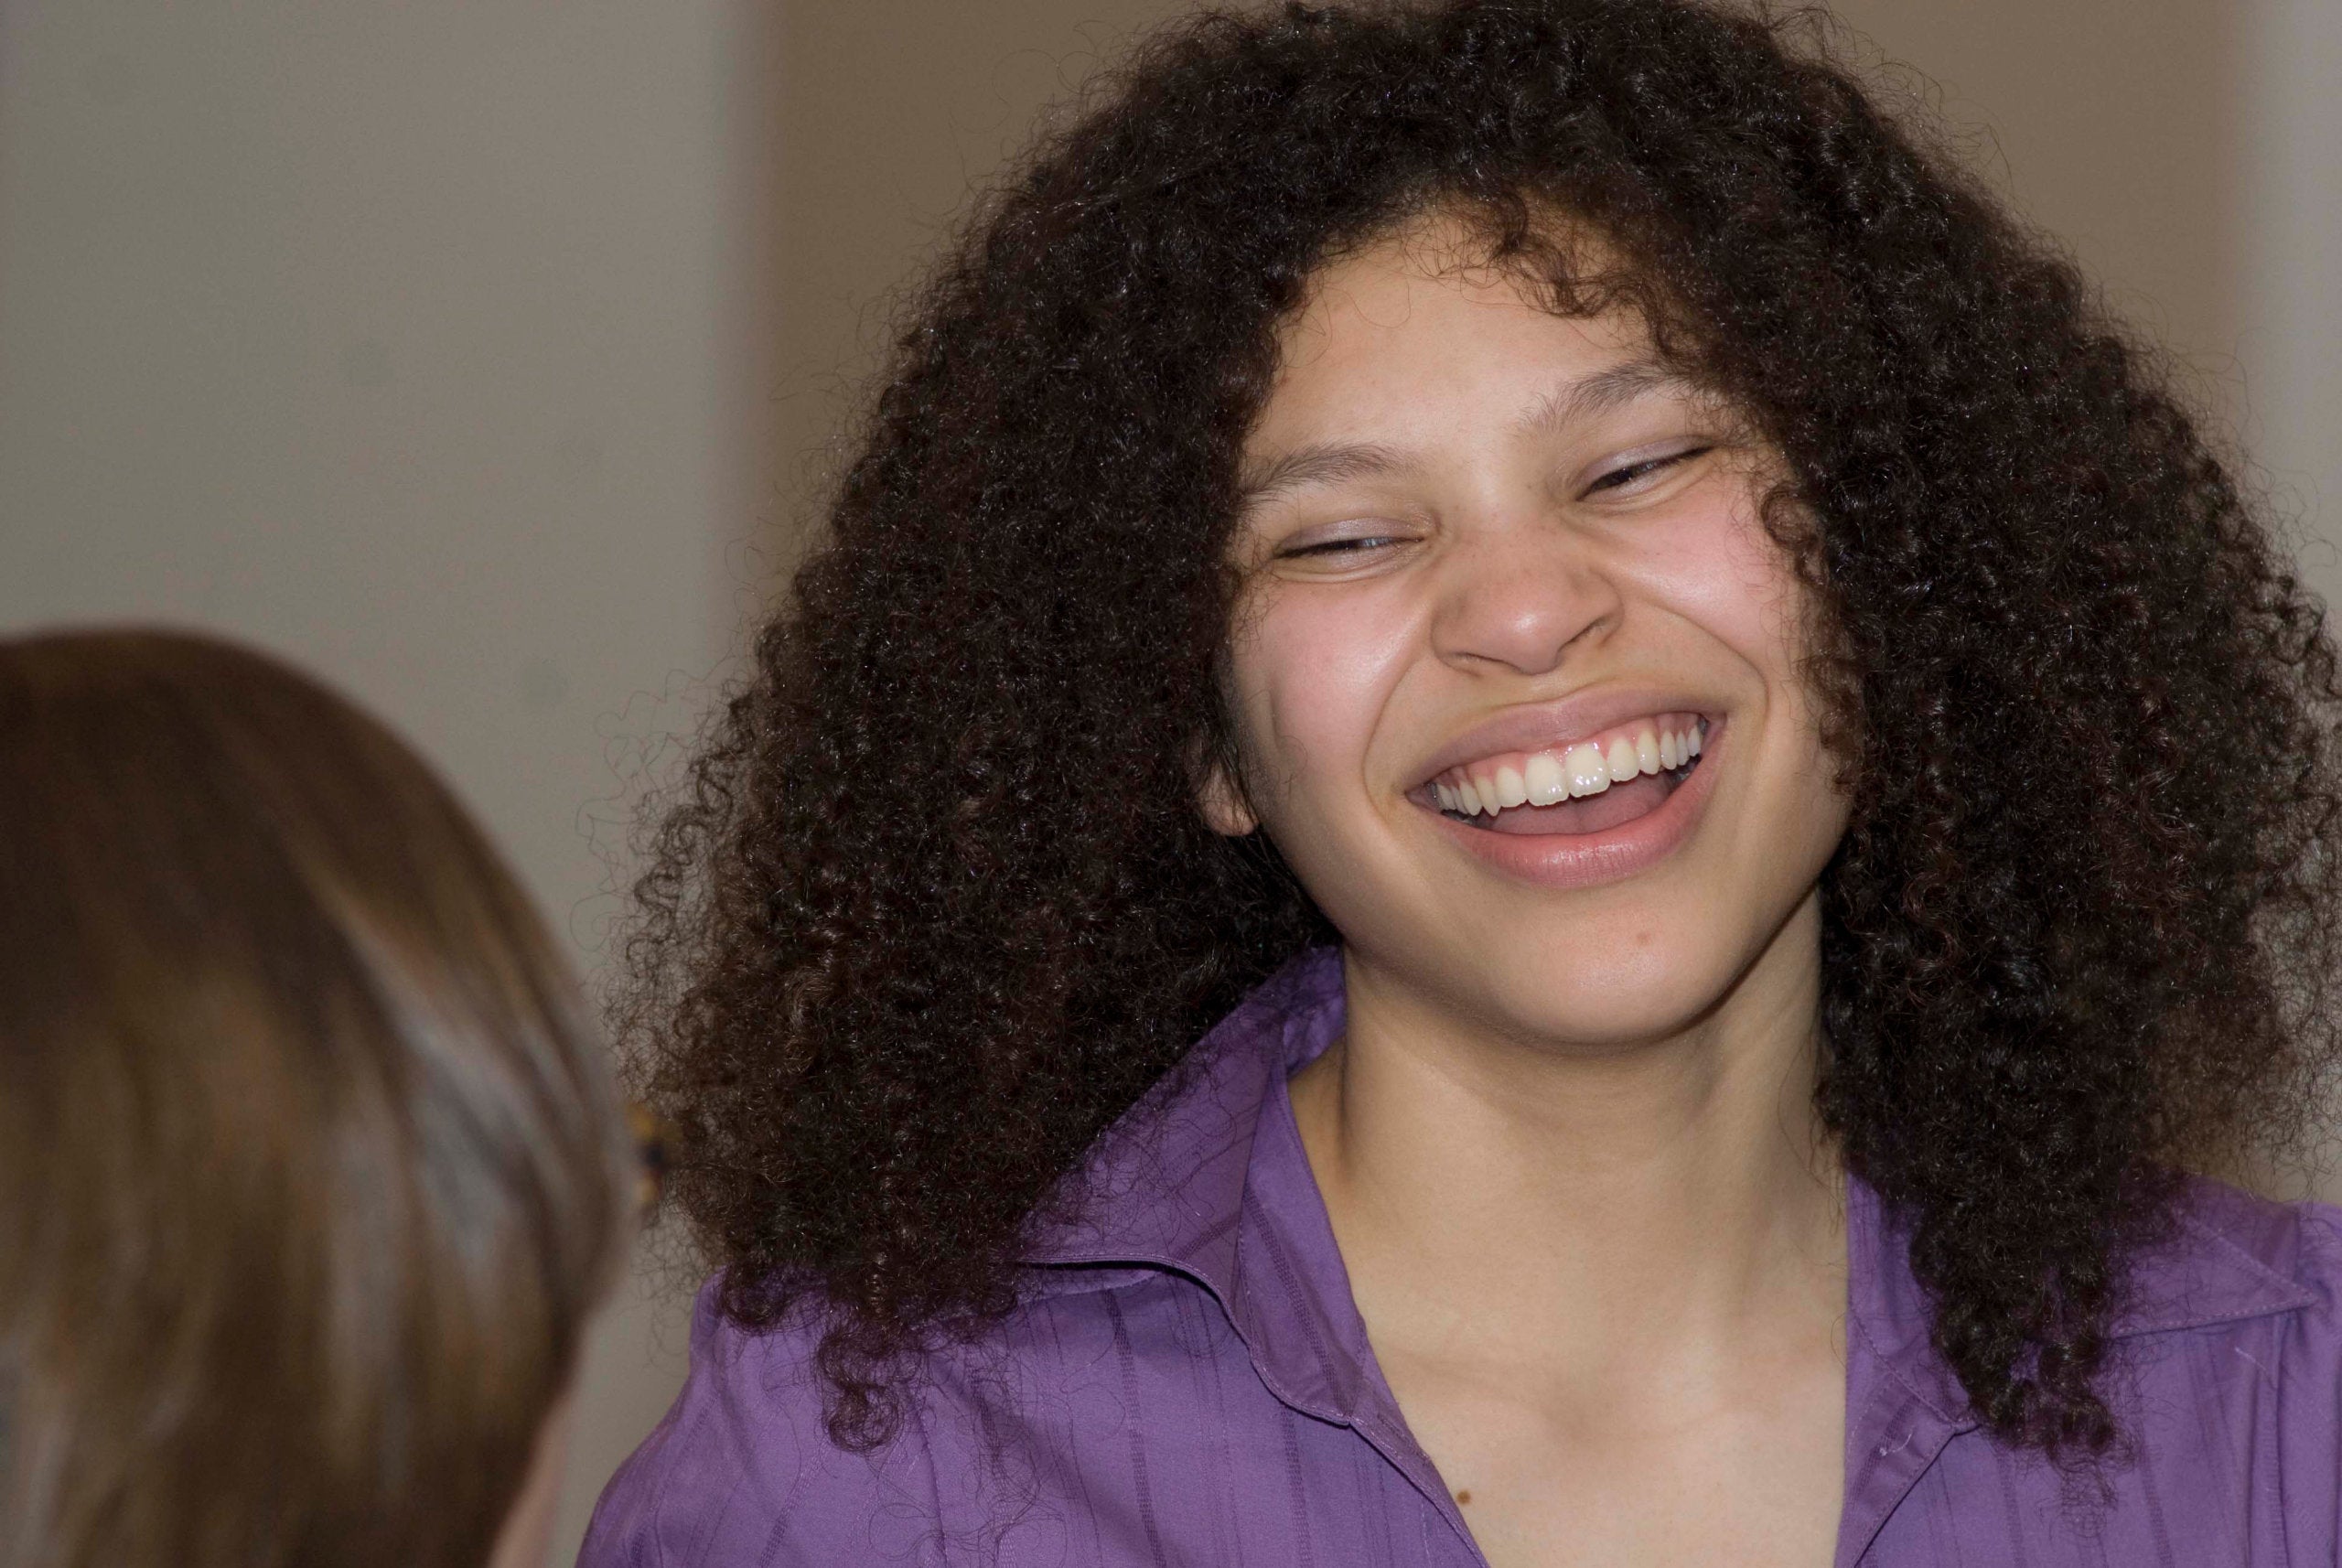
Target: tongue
{"type": "Point", "coordinates": [1592, 813]}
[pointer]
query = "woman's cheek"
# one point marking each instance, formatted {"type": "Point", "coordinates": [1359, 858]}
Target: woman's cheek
{"type": "Point", "coordinates": [1721, 571]}
{"type": "Point", "coordinates": [1324, 658]}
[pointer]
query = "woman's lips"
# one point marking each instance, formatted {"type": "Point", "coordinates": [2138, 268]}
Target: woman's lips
{"type": "Point", "coordinates": [1599, 838]}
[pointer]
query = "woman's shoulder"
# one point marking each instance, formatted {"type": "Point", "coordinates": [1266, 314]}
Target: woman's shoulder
{"type": "Point", "coordinates": [2241, 1304]}
{"type": "Point", "coordinates": [745, 1446]}
{"type": "Point", "coordinates": [745, 1466]}
{"type": "Point", "coordinates": [2233, 1344]}
{"type": "Point", "coordinates": [2224, 1375]}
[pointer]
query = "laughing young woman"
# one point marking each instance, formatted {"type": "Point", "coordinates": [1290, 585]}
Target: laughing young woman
{"type": "Point", "coordinates": [1758, 800]}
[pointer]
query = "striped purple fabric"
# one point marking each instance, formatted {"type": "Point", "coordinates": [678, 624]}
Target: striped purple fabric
{"type": "Point", "coordinates": [1188, 1383]}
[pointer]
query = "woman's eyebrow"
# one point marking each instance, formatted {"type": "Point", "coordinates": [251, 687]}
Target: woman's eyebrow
{"type": "Point", "coordinates": [1326, 464]}
{"type": "Point", "coordinates": [1599, 393]}
{"type": "Point", "coordinates": [1331, 463]}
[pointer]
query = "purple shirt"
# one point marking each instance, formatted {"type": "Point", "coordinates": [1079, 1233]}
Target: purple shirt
{"type": "Point", "coordinates": [1188, 1383]}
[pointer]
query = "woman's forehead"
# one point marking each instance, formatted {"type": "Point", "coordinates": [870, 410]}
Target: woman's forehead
{"type": "Point", "coordinates": [1390, 337]}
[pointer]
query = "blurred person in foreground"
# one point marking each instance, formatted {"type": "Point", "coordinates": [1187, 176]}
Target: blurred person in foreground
{"type": "Point", "coordinates": [309, 1172]}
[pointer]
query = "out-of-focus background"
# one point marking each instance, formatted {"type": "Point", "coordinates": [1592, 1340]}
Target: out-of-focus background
{"type": "Point", "coordinates": [482, 354]}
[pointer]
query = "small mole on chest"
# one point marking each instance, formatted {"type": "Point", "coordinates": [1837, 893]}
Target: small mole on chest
{"type": "Point", "coordinates": [1465, 1496]}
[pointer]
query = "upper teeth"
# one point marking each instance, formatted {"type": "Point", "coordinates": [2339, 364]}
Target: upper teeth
{"type": "Point", "coordinates": [1588, 767]}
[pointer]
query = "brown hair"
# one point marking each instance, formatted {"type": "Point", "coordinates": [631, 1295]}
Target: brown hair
{"type": "Point", "coordinates": [309, 1173]}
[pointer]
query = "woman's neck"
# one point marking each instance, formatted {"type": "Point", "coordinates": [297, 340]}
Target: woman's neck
{"type": "Point", "coordinates": [1570, 1209]}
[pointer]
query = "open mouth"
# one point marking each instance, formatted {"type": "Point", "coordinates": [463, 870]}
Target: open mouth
{"type": "Point", "coordinates": [1585, 786]}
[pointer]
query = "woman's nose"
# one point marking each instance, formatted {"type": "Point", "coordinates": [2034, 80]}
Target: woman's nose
{"type": "Point", "coordinates": [1522, 604]}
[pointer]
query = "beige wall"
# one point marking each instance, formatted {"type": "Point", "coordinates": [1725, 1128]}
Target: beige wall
{"type": "Point", "coordinates": [892, 111]}
{"type": "Point", "coordinates": [2189, 152]}
{"type": "Point", "coordinates": [2289, 275]}
{"type": "Point", "coordinates": [481, 354]}
{"type": "Point", "coordinates": [2115, 125]}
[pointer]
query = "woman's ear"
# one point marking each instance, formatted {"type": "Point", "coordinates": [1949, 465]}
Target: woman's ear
{"type": "Point", "coordinates": [1222, 803]}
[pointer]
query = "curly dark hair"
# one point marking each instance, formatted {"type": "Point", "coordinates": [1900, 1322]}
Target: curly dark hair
{"type": "Point", "coordinates": [902, 958]}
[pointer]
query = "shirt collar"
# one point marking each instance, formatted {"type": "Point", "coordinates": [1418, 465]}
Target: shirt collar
{"type": "Point", "coordinates": [1207, 1177]}
{"type": "Point", "coordinates": [1165, 1186]}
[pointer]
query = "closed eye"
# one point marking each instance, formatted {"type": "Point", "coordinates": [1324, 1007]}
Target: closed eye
{"type": "Point", "coordinates": [1339, 546]}
{"type": "Point", "coordinates": [1630, 474]}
